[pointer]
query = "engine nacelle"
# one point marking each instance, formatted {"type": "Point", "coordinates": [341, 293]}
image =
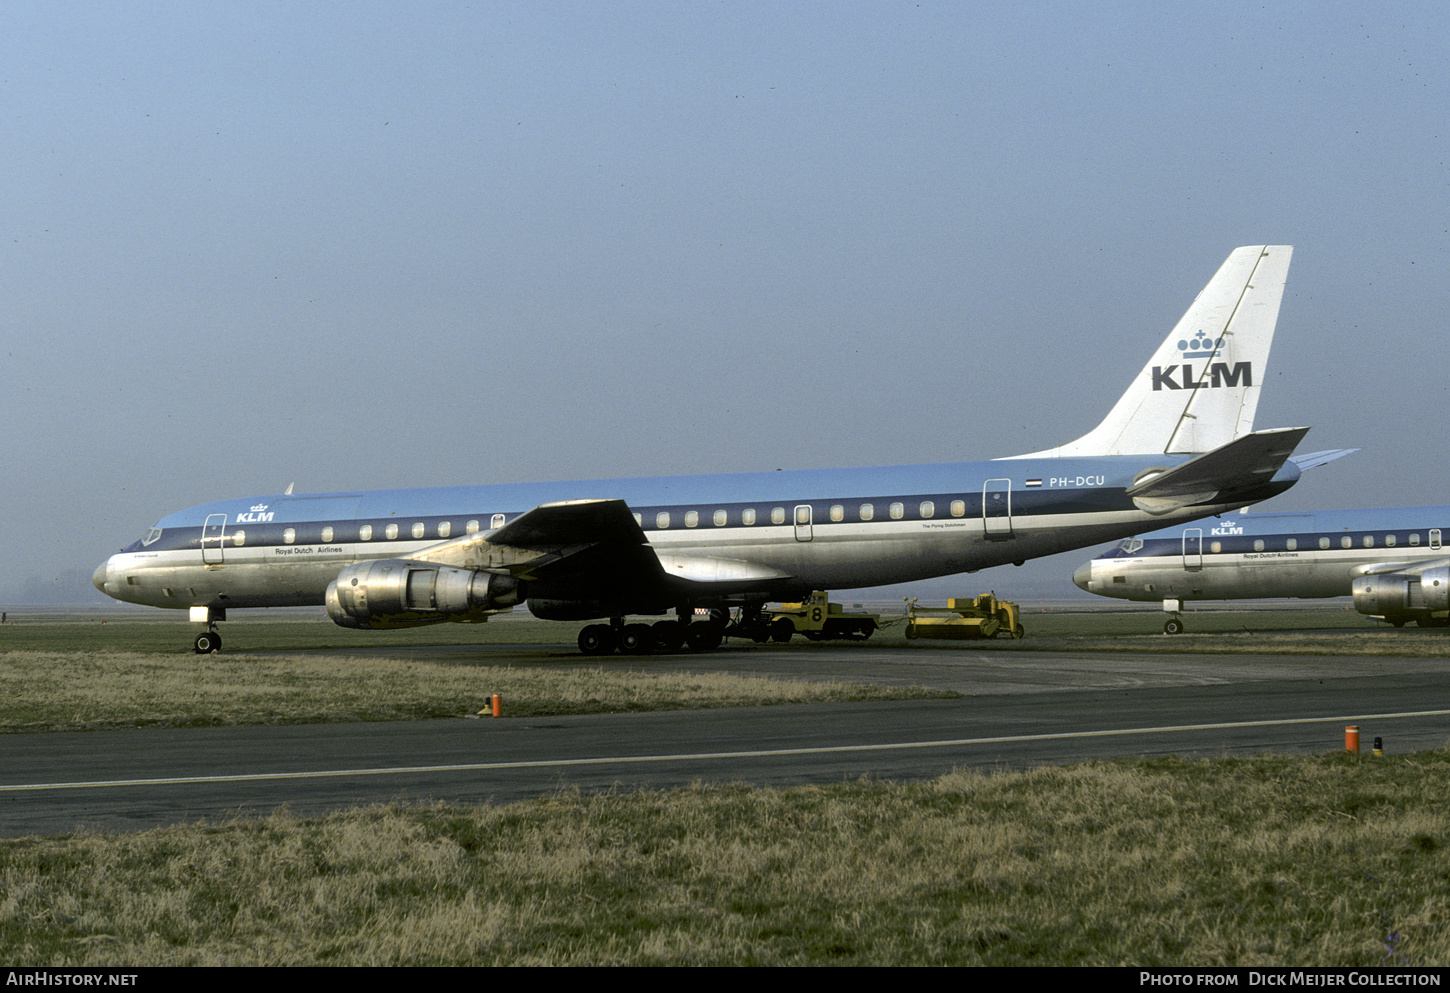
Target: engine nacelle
{"type": "Point", "coordinates": [390, 593]}
{"type": "Point", "coordinates": [1435, 588]}
{"type": "Point", "coordinates": [1384, 595]}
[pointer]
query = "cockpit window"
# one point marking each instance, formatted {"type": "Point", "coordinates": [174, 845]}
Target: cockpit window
{"type": "Point", "coordinates": [151, 536]}
{"type": "Point", "coordinates": [1130, 545]}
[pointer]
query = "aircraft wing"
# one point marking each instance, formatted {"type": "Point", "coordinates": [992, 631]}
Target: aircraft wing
{"type": "Point", "coordinates": [571, 522]}
{"type": "Point", "coordinates": [592, 542]}
{"type": "Point", "coordinates": [1400, 568]}
{"type": "Point", "coordinates": [1242, 464]}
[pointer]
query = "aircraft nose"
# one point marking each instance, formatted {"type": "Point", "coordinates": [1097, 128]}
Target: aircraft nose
{"type": "Point", "coordinates": [1082, 578]}
{"type": "Point", "coordinates": [98, 578]}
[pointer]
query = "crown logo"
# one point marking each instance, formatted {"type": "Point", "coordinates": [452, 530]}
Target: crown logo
{"type": "Point", "coordinates": [1201, 347]}
{"type": "Point", "coordinates": [259, 507]}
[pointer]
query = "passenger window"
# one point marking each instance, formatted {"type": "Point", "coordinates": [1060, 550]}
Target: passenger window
{"type": "Point", "coordinates": [897, 510]}
{"type": "Point", "coordinates": [365, 533]}
{"type": "Point", "coordinates": [496, 521]}
{"type": "Point", "coordinates": [639, 519]}
{"type": "Point", "coordinates": [777, 515]}
{"type": "Point", "coordinates": [391, 532]}
{"type": "Point", "coordinates": [959, 507]}
{"type": "Point", "coordinates": [662, 519]}
{"type": "Point", "coordinates": [1216, 547]}
{"type": "Point", "coordinates": [747, 516]}
{"type": "Point", "coordinates": [471, 527]}
{"type": "Point", "coordinates": [1291, 544]}
{"type": "Point", "coordinates": [867, 511]}
{"type": "Point", "coordinates": [1414, 537]}
{"type": "Point", "coordinates": [1323, 542]}
{"type": "Point", "coordinates": [1346, 542]}
{"type": "Point", "coordinates": [1258, 544]}
{"type": "Point", "coordinates": [327, 534]}
{"type": "Point", "coordinates": [721, 518]}
{"type": "Point", "coordinates": [1389, 541]}
{"type": "Point", "coordinates": [927, 508]}
{"type": "Point", "coordinates": [289, 536]}
{"type": "Point", "coordinates": [445, 528]}
{"type": "Point", "coordinates": [239, 537]}
{"type": "Point", "coordinates": [838, 512]}
{"type": "Point", "coordinates": [692, 518]}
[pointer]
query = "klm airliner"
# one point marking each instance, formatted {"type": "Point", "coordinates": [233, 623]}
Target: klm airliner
{"type": "Point", "coordinates": [1393, 561]}
{"type": "Point", "coordinates": [1179, 445]}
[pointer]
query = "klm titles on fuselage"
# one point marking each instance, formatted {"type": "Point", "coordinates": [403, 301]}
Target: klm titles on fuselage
{"type": "Point", "coordinates": [259, 514]}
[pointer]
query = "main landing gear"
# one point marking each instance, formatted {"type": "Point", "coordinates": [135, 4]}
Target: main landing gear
{"type": "Point", "coordinates": [661, 637]}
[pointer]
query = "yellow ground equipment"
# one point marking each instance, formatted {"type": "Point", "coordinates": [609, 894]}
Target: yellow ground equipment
{"type": "Point", "coordinates": [984, 617]}
{"type": "Point", "coordinates": [816, 618]}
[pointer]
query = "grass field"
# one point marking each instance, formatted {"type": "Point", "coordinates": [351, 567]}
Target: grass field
{"type": "Point", "coordinates": [1332, 860]}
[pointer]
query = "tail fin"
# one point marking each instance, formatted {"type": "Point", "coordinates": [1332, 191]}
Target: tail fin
{"type": "Point", "coordinates": [1201, 388]}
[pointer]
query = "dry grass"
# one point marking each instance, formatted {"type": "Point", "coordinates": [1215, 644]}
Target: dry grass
{"type": "Point", "coordinates": [69, 691]}
{"type": "Point", "coordinates": [1295, 861]}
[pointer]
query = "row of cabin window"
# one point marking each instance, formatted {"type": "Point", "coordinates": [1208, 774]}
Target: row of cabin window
{"type": "Point", "coordinates": [1345, 542]}
{"type": "Point", "coordinates": [836, 512]}
{"type": "Point", "coordinates": [390, 532]}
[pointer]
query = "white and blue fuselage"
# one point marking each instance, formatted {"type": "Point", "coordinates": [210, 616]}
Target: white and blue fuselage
{"type": "Point", "coordinates": [784, 533]}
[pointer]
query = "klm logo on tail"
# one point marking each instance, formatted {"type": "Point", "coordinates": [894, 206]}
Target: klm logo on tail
{"type": "Point", "coordinates": [1220, 374]}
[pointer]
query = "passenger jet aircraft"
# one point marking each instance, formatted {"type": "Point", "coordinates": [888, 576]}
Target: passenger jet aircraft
{"type": "Point", "coordinates": [1179, 445]}
{"type": "Point", "coordinates": [1393, 561]}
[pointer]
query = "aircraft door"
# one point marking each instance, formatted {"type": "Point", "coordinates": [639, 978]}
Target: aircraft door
{"type": "Point", "coordinates": [803, 531]}
{"type": "Point", "coordinates": [213, 532]}
{"type": "Point", "coordinates": [997, 509]}
{"type": "Point", "coordinates": [1192, 549]}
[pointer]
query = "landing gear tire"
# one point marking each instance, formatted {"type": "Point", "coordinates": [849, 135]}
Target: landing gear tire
{"type": "Point", "coordinates": [781, 631]}
{"type": "Point", "coordinates": [636, 639]}
{"type": "Point", "coordinates": [1173, 626]}
{"type": "Point", "coordinates": [669, 636]}
{"type": "Point", "coordinates": [207, 642]}
{"type": "Point", "coordinates": [597, 639]}
{"type": "Point", "coordinates": [704, 637]}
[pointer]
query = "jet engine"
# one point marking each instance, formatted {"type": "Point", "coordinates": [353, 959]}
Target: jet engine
{"type": "Point", "coordinates": [391, 593]}
{"type": "Point", "coordinates": [1435, 587]}
{"type": "Point", "coordinates": [1385, 595]}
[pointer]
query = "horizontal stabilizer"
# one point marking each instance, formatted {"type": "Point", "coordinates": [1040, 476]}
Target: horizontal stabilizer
{"type": "Point", "coordinates": [1214, 477]}
{"type": "Point", "coordinates": [1316, 459]}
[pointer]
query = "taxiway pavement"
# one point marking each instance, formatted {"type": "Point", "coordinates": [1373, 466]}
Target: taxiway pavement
{"type": "Point", "coordinates": [1019, 709]}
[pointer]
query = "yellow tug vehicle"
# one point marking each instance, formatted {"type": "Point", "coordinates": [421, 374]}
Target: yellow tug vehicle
{"type": "Point", "coordinates": [817, 618]}
{"type": "Point", "coordinates": [963, 618]}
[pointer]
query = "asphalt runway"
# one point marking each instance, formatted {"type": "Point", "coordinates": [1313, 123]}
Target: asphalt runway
{"type": "Point", "coordinates": [1021, 709]}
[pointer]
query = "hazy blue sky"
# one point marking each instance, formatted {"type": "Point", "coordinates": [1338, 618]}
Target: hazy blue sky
{"type": "Point", "coordinates": [358, 245]}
